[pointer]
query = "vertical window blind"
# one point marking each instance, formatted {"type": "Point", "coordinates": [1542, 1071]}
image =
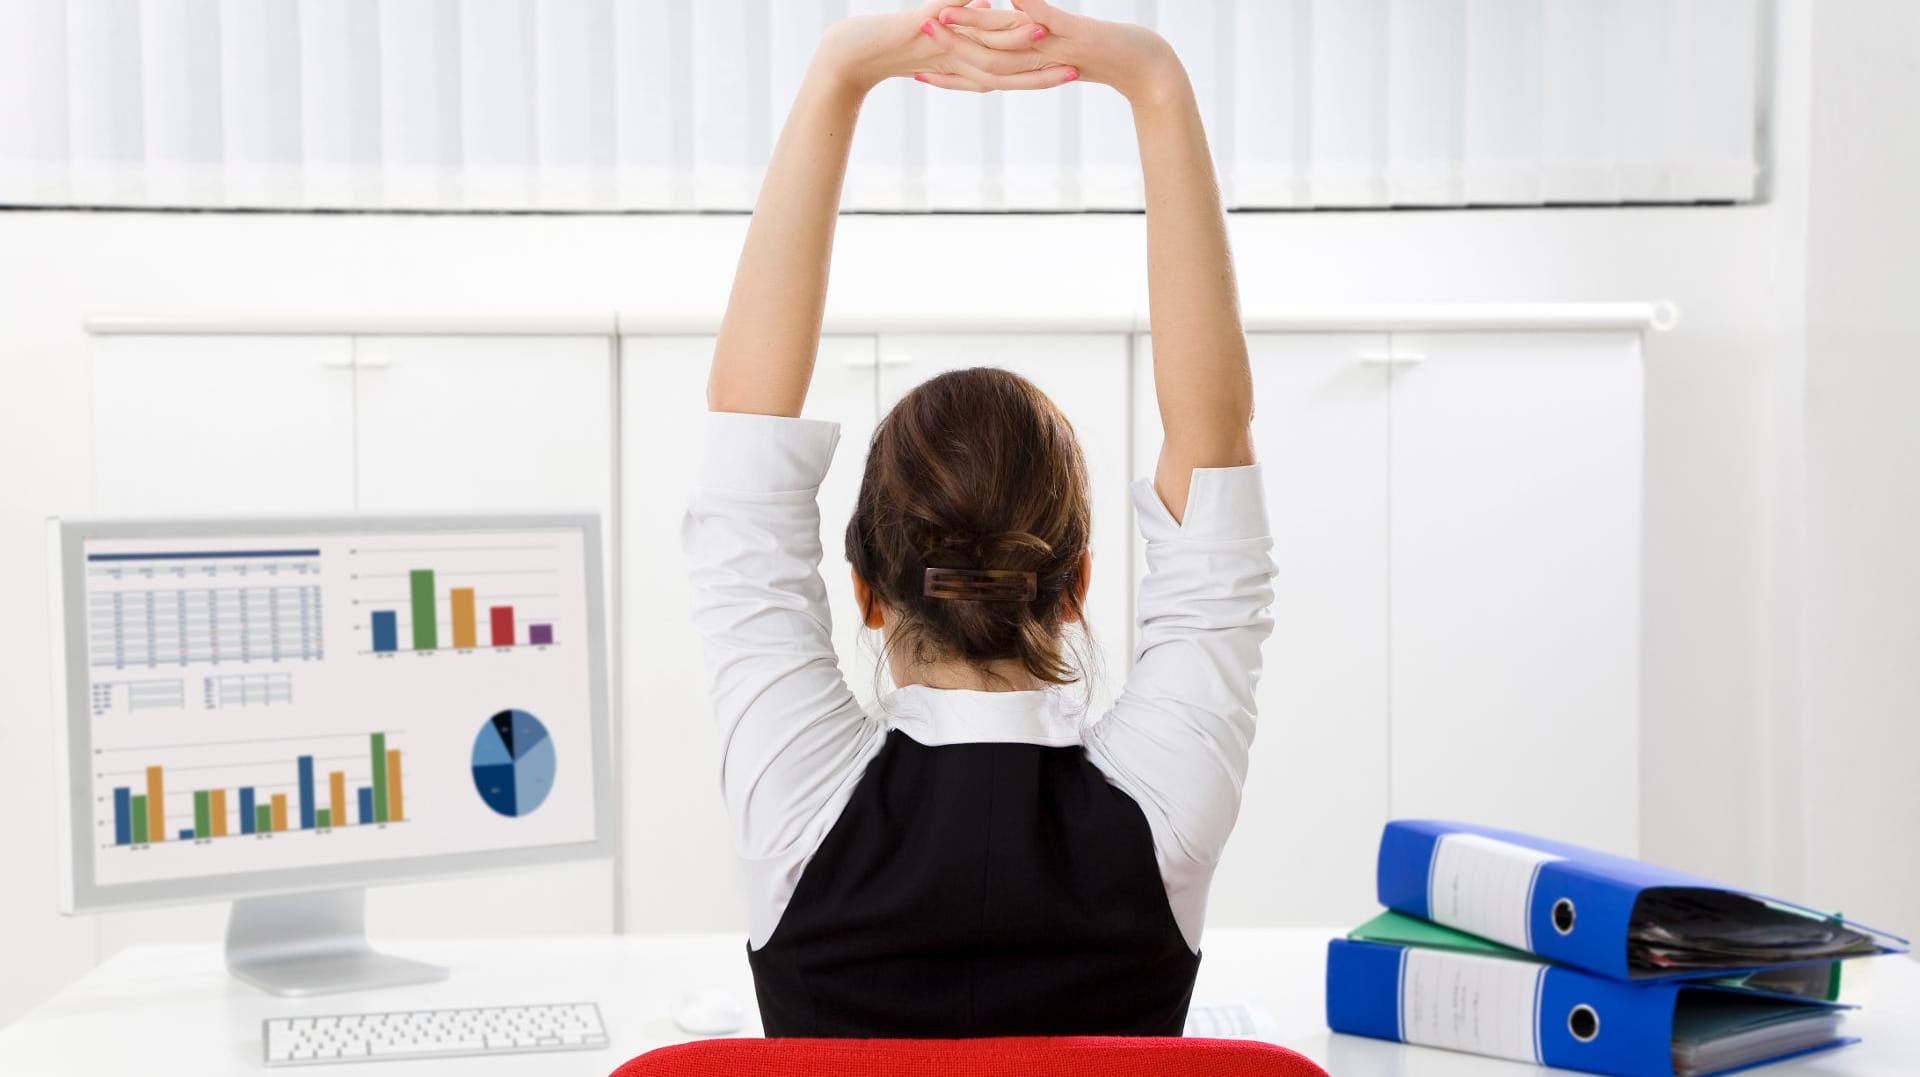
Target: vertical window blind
{"type": "Point", "coordinates": [599, 105]}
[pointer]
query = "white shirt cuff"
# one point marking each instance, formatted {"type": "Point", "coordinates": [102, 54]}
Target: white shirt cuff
{"type": "Point", "coordinates": [767, 453]}
{"type": "Point", "coordinates": [1224, 504]}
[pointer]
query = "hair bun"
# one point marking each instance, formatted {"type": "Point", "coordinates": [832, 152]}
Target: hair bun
{"type": "Point", "coordinates": [973, 513]}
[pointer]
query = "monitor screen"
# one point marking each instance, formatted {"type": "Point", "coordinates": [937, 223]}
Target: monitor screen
{"type": "Point", "coordinates": [297, 702]}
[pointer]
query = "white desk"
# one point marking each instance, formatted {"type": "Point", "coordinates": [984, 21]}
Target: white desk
{"type": "Point", "coordinates": [173, 1009]}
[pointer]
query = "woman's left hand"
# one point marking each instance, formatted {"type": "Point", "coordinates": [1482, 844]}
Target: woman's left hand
{"type": "Point", "coordinates": [1132, 59]}
{"type": "Point", "coordinates": [865, 50]}
{"type": "Point", "coordinates": [987, 48]}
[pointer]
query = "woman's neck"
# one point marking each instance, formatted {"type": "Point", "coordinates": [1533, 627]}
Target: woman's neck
{"type": "Point", "coordinates": [1006, 675]}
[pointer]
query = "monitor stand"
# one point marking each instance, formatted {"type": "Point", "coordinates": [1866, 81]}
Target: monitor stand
{"type": "Point", "coordinates": [313, 944]}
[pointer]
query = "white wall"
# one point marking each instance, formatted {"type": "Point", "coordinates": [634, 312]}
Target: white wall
{"type": "Point", "coordinates": [1861, 704]}
{"type": "Point", "coordinates": [1709, 400]}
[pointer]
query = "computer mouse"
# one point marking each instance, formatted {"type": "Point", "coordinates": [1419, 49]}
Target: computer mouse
{"type": "Point", "coordinates": [708, 1013]}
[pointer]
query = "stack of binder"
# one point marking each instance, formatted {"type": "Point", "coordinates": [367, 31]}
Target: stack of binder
{"type": "Point", "coordinates": [1507, 945]}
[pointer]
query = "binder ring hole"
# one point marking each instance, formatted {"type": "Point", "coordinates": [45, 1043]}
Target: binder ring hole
{"type": "Point", "coordinates": [1583, 1023]}
{"type": "Point", "coordinates": [1563, 916]}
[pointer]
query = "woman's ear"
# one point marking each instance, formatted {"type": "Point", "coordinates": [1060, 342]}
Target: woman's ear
{"type": "Point", "coordinates": [871, 614]}
{"type": "Point", "coordinates": [1082, 580]}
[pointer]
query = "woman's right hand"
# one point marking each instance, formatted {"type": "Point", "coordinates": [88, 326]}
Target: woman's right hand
{"type": "Point", "coordinates": [864, 50]}
{"type": "Point", "coordinates": [1132, 59]}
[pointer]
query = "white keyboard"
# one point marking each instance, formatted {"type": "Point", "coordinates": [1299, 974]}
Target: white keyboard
{"type": "Point", "coordinates": [477, 1030]}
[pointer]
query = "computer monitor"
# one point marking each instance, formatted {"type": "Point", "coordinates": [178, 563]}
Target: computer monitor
{"type": "Point", "coordinates": [283, 711]}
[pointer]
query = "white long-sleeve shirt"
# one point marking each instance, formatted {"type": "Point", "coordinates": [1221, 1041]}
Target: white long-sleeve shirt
{"type": "Point", "coordinates": [795, 741]}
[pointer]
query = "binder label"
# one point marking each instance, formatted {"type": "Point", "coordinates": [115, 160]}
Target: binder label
{"type": "Point", "coordinates": [1484, 886]}
{"type": "Point", "coordinates": [1463, 1002]}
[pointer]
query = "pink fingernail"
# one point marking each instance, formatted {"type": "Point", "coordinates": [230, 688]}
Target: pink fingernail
{"type": "Point", "coordinates": [918, 77]}
{"type": "Point", "coordinates": [927, 28]}
{"type": "Point", "coordinates": [946, 18]}
{"type": "Point", "coordinates": [1038, 33]}
{"type": "Point", "coordinates": [1073, 76]}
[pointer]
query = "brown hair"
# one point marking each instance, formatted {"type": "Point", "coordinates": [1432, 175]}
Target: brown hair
{"type": "Point", "coordinates": [975, 469]}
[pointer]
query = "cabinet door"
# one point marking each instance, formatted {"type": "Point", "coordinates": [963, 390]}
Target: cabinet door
{"type": "Point", "coordinates": [187, 424]}
{"type": "Point", "coordinates": [217, 425]}
{"type": "Point", "coordinates": [846, 390]}
{"type": "Point", "coordinates": [1316, 792]}
{"type": "Point", "coordinates": [1515, 561]}
{"type": "Point", "coordinates": [472, 424]}
{"type": "Point", "coordinates": [1087, 375]}
{"type": "Point", "coordinates": [680, 872]}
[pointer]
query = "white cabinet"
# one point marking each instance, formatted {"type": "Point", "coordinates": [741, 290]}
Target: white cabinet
{"type": "Point", "coordinates": [209, 424]}
{"type": "Point", "coordinates": [1456, 524]}
{"type": "Point", "coordinates": [680, 872]}
{"type": "Point", "coordinates": [217, 424]}
{"type": "Point", "coordinates": [1317, 785]}
{"type": "Point", "coordinates": [845, 389]}
{"type": "Point", "coordinates": [1456, 537]}
{"type": "Point", "coordinates": [307, 424]}
{"type": "Point", "coordinates": [1087, 376]}
{"type": "Point", "coordinates": [471, 424]}
{"type": "Point", "coordinates": [674, 827]}
{"type": "Point", "coordinates": [1516, 587]}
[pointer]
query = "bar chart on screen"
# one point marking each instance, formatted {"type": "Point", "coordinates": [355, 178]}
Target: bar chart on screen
{"type": "Point", "coordinates": [423, 599]}
{"type": "Point", "coordinates": [251, 787]}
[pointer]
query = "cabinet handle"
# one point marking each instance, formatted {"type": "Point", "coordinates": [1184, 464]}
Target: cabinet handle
{"type": "Point", "coordinates": [337, 364]}
{"type": "Point", "coordinates": [355, 363]}
{"type": "Point", "coordinates": [375, 363]}
{"type": "Point", "coordinates": [1391, 357]}
{"type": "Point", "coordinates": [883, 362]}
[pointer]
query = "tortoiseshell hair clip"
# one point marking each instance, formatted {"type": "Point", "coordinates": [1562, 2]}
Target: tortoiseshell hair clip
{"type": "Point", "coordinates": [980, 584]}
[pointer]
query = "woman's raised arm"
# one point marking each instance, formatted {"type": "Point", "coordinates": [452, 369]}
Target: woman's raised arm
{"type": "Point", "coordinates": [763, 360]}
{"type": "Point", "coordinates": [1200, 373]}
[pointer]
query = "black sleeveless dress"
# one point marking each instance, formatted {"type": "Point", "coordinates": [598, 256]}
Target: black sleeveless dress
{"type": "Point", "coordinates": [979, 890]}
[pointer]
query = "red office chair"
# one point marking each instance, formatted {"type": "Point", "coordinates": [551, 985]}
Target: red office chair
{"type": "Point", "coordinates": [1048, 1056]}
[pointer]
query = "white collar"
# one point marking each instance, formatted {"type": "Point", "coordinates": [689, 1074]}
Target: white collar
{"type": "Point", "coordinates": [934, 717]}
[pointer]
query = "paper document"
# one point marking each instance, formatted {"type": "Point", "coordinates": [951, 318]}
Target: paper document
{"type": "Point", "coordinates": [1714, 1032]}
{"type": "Point", "coordinates": [1687, 928]}
{"type": "Point", "coordinates": [1801, 981]}
{"type": "Point", "coordinates": [1232, 1021]}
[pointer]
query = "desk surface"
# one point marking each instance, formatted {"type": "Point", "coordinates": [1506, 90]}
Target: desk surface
{"type": "Point", "coordinates": [173, 1009]}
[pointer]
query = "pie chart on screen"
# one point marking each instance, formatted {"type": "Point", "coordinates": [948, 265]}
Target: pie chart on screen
{"type": "Point", "coordinates": [513, 763]}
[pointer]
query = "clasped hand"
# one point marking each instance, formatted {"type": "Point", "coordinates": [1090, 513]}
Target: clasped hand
{"type": "Point", "coordinates": [976, 47]}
